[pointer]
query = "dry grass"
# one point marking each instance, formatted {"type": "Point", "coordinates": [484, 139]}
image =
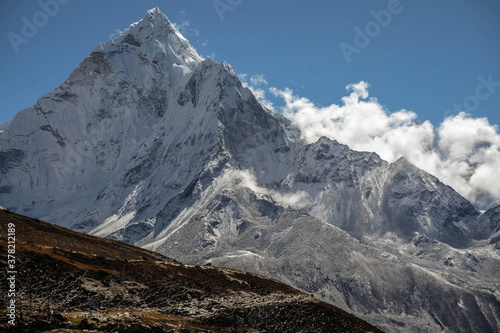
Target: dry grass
{"type": "Point", "coordinates": [69, 279]}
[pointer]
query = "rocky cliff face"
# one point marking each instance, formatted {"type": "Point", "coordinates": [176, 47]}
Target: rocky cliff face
{"type": "Point", "coordinates": [150, 144]}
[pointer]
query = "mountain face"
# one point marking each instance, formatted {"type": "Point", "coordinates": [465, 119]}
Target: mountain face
{"type": "Point", "coordinates": [75, 281]}
{"type": "Point", "coordinates": [148, 143]}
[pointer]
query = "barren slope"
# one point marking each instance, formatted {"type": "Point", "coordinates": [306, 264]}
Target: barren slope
{"type": "Point", "coordinates": [71, 280]}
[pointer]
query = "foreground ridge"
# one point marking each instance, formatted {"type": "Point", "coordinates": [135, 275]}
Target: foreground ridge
{"type": "Point", "coordinates": [70, 280]}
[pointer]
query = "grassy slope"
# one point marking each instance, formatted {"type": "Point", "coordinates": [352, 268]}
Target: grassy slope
{"type": "Point", "coordinates": [69, 279]}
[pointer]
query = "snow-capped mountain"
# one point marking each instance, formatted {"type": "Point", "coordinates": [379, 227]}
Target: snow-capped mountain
{"type": "Point", "coordinates": [148, 143]}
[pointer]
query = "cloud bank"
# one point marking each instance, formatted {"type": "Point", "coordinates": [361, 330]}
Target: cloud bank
{"type": "Point", "coordinates": [462, 152]}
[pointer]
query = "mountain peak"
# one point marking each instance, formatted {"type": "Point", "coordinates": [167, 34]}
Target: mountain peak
{"type": "Point", "coordinates": [156, 20]}
{"type": "Point", "coordinates": [153, 44]}
{"type": "Point", "coordinates": [153, 12]}
{"type": "Point", "coordinates": [155, 15]}
{"type": "Point", "coordinates": [154, 33]}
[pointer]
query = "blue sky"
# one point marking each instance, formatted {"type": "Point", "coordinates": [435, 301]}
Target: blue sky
{"type": "Point", "coordinates": [426, 59]}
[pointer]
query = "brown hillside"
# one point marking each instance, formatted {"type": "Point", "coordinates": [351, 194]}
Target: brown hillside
{"type": "Point", "coordinates": [75, 281]}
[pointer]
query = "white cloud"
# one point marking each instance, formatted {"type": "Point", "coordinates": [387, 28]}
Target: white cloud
{"type": "Point", "coordinates": [463, 152]}
{"type": "Point", "coordinates": [210, 55]}
{"type": "Point", "coordinates": [246, 179]}
{"type": "Point", "coordinates": [116, 33]}
{"type": "Point", "coordinates": [184, 26]}
{"type": "Point", "coordinates": [256, 81]}
{"type": "Point", "coordinates": [297, 84]}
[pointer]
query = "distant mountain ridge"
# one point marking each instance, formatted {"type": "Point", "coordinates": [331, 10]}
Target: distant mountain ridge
{"type": "Point", "coordinates": [148, 143]}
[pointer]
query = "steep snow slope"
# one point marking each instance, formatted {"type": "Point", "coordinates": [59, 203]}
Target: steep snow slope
{"type": "Point", "coordinates": [96, 125]}
{"type": "Point", "coordinates": [150, 144]}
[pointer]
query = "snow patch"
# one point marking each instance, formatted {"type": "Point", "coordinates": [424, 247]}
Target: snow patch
{"type": "Point", "coordinates": [122, 218]}
{"type": "Point", "coordinates": [238, 254]}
